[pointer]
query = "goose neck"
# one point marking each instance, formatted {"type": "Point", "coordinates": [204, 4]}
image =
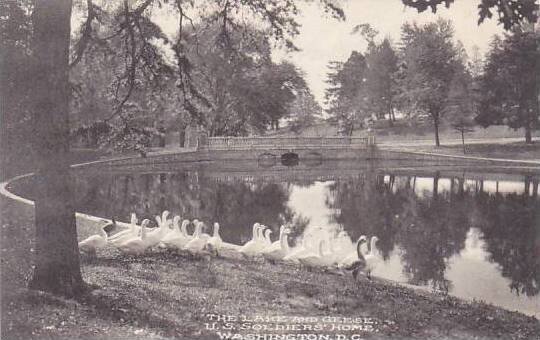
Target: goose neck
{"type": "Point", "coordinates": [103, 232]}
{"type": "Point", "coordinates": [372, 245]}
{"type": "Point", "coordinates": [254, 232]}
{"type": "Point", "coordinates": [358, 251]}
{"type": "Point", "coordinates": [198, 230]}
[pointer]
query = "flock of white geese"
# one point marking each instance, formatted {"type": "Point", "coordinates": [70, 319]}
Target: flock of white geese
{"type": "Point", "coordinates": [312, 251]}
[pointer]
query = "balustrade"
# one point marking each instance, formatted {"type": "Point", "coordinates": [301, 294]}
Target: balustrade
{"type": "Point", "coordinates": [246, 143]}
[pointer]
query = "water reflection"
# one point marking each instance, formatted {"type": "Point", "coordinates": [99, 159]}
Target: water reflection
{"type": "Point", "coordinates": [471, 234]}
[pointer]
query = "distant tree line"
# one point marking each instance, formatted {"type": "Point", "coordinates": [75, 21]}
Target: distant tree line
{"type": "Point", "coordinates": [428, 73]}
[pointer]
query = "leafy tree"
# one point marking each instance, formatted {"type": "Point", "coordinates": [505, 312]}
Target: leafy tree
{"type": "Point", "coordinates": [509, 86]}
{"type": "Point", "coordinates": [15, 53]}
{"type": "Point", "coordinates": [380, 80]}
{"type": "Point", "coordinates": [304, 111]}
{"type": "Point", "coordinates": [461, 104]}
{"type": "Point", "coordinates": [224, 74]}
{"type": "Point", "coordinates": [95, 80]}
{"type": "Point", "coordinates": [272, 93]}
{"type": "Point", "coordinates": [430, 60]}
{"type": "Point", "coordinates": [475, 64]}
{"type": "Point", "coordinates": [346, 95]}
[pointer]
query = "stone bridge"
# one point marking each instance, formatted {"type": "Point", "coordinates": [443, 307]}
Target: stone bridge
{"type": "Point", "coordinates": [270, 149]}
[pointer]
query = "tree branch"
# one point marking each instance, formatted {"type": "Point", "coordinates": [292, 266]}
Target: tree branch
{"type": "Point", "coordinates": [81, 45]}
{"type": "Point", "coordinates": [132, 67]}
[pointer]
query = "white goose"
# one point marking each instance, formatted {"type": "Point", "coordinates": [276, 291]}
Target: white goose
{"type": "Point", "coordinates": [154, 237]}
{"type": "Point", "coordinates": [215, 241]}
{"type": "Point", "coordinates": [251, 246]}
{"type": "Point", "coordinates": [204, 235]}
{"type": "Point", "coordinates": [279, 249]}
{"type": "Point", "coordinates": [267, 240]}
{"type": "Point", "coordinates": [372, 258]}
{"type": "Point", "coordinates": [132, 230]}
{"type": "Point", "coordinates": [183, 238]}
{"type": "Point", "coordinates": [174, 232]}
{"type": "Point", "coordinates": [198, 242]}
{"type": "Point", "coordinates": [261, 242]}
{"type": "Point", "coordinates": [136, 245]}
{"type": "Point", "coordinates": [90, 244]}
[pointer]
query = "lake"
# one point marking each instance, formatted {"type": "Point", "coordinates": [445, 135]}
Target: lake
{"type": "Point", "coordinates": [468, 232]}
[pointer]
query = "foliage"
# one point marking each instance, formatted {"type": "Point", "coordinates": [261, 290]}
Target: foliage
{"type": "Point", "coordinates": [381, 89]}
{"type": "Point", "coordinates": [15, 53]}
{"type": "Point", "coordinates": [461, 104]}
{"type": "Point", "coordinates": [221, 72]}
{"type": "Point", "coordinates": [120, 82]}
{"type": "Point", "coordinates": [273, 92]}
{"type": "Point", "coordinates": [509, 86]}
{"type": "Point", "coordinates": [303, 111]}
{"type": "Point", "coordinates": [429, 64]}
{"type": "Point", "coordinates": [345, 96]}
{"type": "Point", "coordinates": [510, 12]}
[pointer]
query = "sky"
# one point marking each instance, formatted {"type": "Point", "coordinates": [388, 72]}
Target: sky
{"type": "Point", "coordinates": [323, 39]}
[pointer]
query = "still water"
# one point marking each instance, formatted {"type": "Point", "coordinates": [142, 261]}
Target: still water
{"type": "Point", "coordinates": [470, 233]}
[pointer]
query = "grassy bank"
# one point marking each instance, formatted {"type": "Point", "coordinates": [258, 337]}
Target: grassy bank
{"type": "Point", "coordinates": [407, 130]}
{"type": "Point", "coordinates": [169, 295]}
{"type": "Point", "coordinates": [519, 151]}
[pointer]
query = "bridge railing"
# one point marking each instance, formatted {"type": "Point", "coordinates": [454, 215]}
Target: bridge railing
{"type": "Point", "coordinates": [246, 143]}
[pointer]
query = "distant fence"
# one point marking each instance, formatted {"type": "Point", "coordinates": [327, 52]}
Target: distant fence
{"type": "Point", "coordinates": [250, 143]}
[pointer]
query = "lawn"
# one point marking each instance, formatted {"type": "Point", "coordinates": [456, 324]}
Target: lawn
{"type": "Point", "coordinates": [170, 295]}
{"type": "Point", "coordinates": [519, 150]}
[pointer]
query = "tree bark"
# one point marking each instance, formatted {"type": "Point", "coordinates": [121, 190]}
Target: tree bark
{"type": "Point", "coordinates": [57, 268]}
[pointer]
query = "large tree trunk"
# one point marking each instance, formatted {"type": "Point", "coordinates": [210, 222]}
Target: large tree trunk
{"type": "Point", "coordinates": [56, 259]}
